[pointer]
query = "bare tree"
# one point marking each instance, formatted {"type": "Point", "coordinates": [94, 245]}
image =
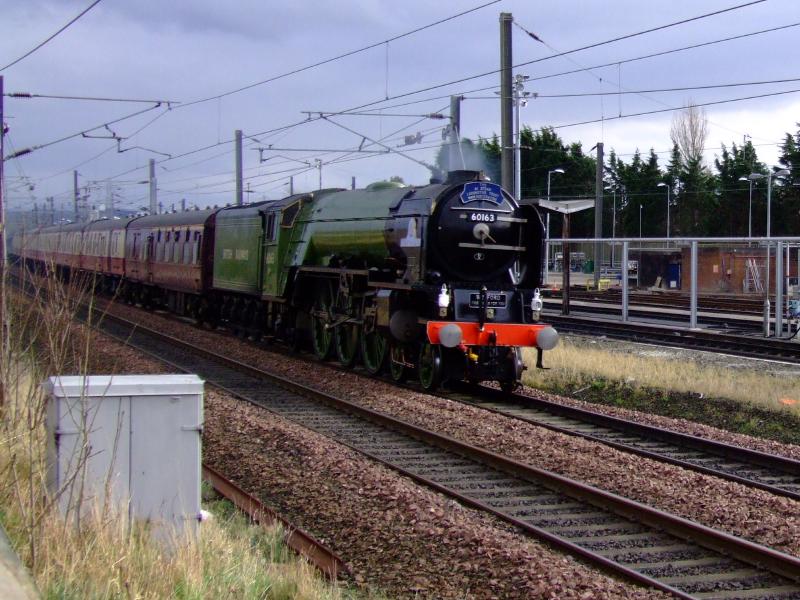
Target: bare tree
{"type": "Point", "coordinates": [689, 132]}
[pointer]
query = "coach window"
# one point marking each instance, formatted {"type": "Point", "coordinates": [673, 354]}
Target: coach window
{"type": "Point", "coordinates": [198, 239]}
{"type": "Point", "coordinates": [167, 245]}
{"type": "Point", "coordinates": [271, 227]}
{"type": "Point", "coordinates": [176, 249]}
{"type": "Point", "coordinates": [187, 247]}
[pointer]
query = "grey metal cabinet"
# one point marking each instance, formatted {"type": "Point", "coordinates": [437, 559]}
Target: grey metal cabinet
{"type": "Point", "coordinates": [130, 443]}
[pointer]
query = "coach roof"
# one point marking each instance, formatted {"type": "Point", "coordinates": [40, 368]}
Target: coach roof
{"type": "Point", "coordinates": [178, 219]}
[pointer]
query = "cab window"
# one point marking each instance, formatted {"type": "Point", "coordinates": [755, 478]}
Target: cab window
{"type": "Point", "coordinates": [290, 214]}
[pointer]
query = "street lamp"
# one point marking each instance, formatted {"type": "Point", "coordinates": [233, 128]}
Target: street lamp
{"type": "Point", "coordinates": [769, 194]}
{"type": "Point", "coordinates": [613, 189]}
{"type": "Point", "coordinates": [548, 180]}
{"type": "Point", "coordinates": [520, 99]}
{"type": "Point", "coordinates": [666, 185]}
{"type": "Point", "coordinates": [640, 220]}
{"type": "Point", "coordinates": [547, 229]}
{"type": "Point", "coordinates": [750, 179]}
{"type": "Point", "coordinates": [769, 176]}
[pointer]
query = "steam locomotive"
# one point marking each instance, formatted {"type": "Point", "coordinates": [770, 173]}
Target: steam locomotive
{"type": "Point", "coordinates": [441, 280]}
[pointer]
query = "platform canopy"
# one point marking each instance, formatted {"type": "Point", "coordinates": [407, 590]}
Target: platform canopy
{"type": "Point", "coordinates": [566, 207]}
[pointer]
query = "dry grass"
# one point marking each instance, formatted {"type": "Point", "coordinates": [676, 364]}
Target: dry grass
{"type": "Point", "coordinates": [231, 559]}
{"type": "Point", "coordinates": [107, 556]}
{"type": "Point", "coordinates": [574, 361]}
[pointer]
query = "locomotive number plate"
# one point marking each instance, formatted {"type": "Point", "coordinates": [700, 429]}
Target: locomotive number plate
{"type": "Point", "coordinates": [482, 217]}
{"type": "Point", "coordinates": [492, 300]}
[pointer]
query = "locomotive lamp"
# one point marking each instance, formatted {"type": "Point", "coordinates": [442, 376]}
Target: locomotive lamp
{"type": "Point", "coordinates": [536, 304]}
{"type": "Point", "coordinates": [444, 297]}
{"type": "Point", "coordinates": [444, 301]}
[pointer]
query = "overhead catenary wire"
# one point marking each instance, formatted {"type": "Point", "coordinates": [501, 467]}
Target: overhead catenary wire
{"type": "Point", "coordinates": [341, 56]}
{"type": "Point", "coordinates": [428, 88]}
{"type": "Point", "coordinates": [107, 150]}
{"type": "Point", "coordinates": [30, 96]}
{"type": "Point", "coordinates": [495, 71]}
{"type": "Point", "coordinates": [582, 69]}
{"type": "Point", "coordinates": [317, 64]}
{"type": "Point", "coordinates": [649, 91]}
{"type": "Point", "coordinates": [289, 127]}
{"type": "Point", "coordinates": [565, 53]}
{"type": "Point", "coordinates": [671, 109]}
{"type": "Point", "coordinates": [27, 54]}
{"type": "Point", "coordinates": [619, 92]}
{"type": "Point", "coordinates": [334, 161]}
{"type": "Point", "coordinates": [81, 133]}
{"type": "Point", "coordinates": [347, 152]}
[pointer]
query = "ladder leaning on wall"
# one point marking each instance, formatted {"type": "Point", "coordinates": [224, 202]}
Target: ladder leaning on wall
{"type": "Point", "coordinates": [752, 277]}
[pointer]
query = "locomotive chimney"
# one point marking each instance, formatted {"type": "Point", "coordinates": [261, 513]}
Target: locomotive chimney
{"type": "Point", "coordinates": [463, 176]}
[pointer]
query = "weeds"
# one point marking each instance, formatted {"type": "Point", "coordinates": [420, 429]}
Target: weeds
{"type": "Point", "coordinates": [108, 556]}
{"type": "Point", "coordinates": [750, 401]}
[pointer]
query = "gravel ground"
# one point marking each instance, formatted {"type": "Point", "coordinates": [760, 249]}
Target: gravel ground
{"type": "Point", "coordinates": [410, 541]}
{"type": "Point", "coordinates": [771, 367]}
{"type": "Point", "coordinates": [753, 514]}
{"type": "Point", "coordinates": [395, 535]}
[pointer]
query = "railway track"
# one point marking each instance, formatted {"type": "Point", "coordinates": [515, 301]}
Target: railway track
{"type": "Point", "coordinates": [775, 474]}
{"type": "Point", "coordinates": [735, 322]}
{"type": "Point", "coordinates": [727, 304]}
{"type": "Point", "coordinates": [710, 341]}
{"type": "Point", "coordinates": [317, 553]}
{"type": "Point", "coordinates": [719, 312]}
{"type": "Point", "coordinates": [638, 542]}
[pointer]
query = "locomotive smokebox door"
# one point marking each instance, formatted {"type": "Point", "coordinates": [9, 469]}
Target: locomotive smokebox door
{"type": "Point", "coordinates": [476, 233]}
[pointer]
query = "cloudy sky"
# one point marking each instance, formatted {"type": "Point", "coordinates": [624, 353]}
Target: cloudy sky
{"type": "Point", "coordinates": [185, 51]}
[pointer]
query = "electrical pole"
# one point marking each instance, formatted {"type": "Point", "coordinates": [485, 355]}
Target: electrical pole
{"type": "Point", "coordinates": [75, 196]}
{"type": "Point", "coordinates": [598, 214]}
{"type": "Point", "coordinates": [239, 175]}
{"type": "Point", "coordinates": [4, 326]}
{"type": "Point", "coordinates": [318, 164]}
{"type": "Point", "coordinates": [152, 181]}
{"type": "Point", "coordinates": [51, 200]}
{"type": "Point", "coordinates": [35, 215]}
{"type": "Point", "coordinates": [353, 183]}
{"type": "Point", "coordinates": [183, 204]}
{"type": "Point", "coordinates": [109, 200]}
{"type": "Point", "coordinates": [520, 96]}
{"type": "Point", "coordinates": [455, 131]}
{"type": "Point", "coordinates": [291, 185]}
{"type": "Point", "coordinates": [506, 104]}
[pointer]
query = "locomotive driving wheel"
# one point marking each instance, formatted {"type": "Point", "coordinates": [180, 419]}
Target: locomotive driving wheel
{"type": "Point", "coordinates": [347, 315]}
{"type": "Point", "coordinates": [346, 339]}
{"type": "Point", "coordinates": [374, 349]}
{"type": "Point", "coordinates": [430, 366]}
{"type": "Point", "coordinates": [321, 335]}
